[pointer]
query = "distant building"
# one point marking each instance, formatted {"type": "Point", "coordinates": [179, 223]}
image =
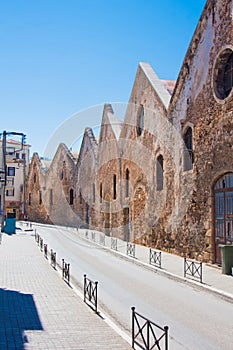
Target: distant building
{"type": "Point", "coordinates": [17, 162]}
{"type": "Point", "coordinates": [164, 176]}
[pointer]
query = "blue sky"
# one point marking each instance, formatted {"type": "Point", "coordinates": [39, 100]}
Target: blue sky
{"type": "Point", "coordinates": [60, 57]}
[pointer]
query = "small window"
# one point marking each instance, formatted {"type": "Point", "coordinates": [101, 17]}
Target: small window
{"type": "Point", "coordinates": [10, 192]}
{"type": "Point", "coordinates": [61, 175]}
{"type": "Point", "coordinates": [114, 186]}
{"type": "Point", "coordinates": [17, 155]}
{"type": "Point", "coordinates": [159, 173]}
{"type": "Point", "coordinates": [29, 199]}
{"type": "Point", "coordinates": [93, 192]}
{"type": "Point", "coordinates": [140, 121]}
{"type": "Point", "coordinates": [71, 196]}
{"type": "Point", "coordinates": [23, 156]}
{"type": "Point", "coordinates": [188, 151]}
{"type": "Point", "coordinates": [34, 178]}
{"type": "Point", "coordinates": [101, 193]}
{"type": "Point", "coordinates": [40, 197]}
{"type": "Point", "coordinates": [11, 171]}
{"type": "Point", "coordinates": [51, 196]}
{"type": "Point", "coordinates": [127, 183]}
{"type": "Point", "coordinates": [80, 197]}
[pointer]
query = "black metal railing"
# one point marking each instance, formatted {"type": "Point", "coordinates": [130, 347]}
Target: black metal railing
{"type": "Point", "coordinates": [36, 237]}
{"type": "Point", "coordinates": [90, 292]}
{"type": "Point", "coordinates": [46, 251]}
{"type": "Point", "coordinates": [53, 259]}
{"type": "Point", "coordinates": [193, 268]}
{"type": "Point", "coordinates": [148, 335]}
{"type": "Point", "coordinates": [155, 258]}
{"type": "Point", "coordinates": [113, 243]}
{"type": "Point", "coordinates": [65, 271]}
{"type": "Point", "coordinates": [102, 239]}
{"type": "Point", "coordinates": [93, 236]}
{"type": "Point", "coordinates": [41, 244]}
{"type": "Point", "coordinates": [130, 249]}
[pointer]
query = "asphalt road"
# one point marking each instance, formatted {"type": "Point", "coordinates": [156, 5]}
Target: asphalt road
{"type": "Point", "coordinates": [196, 318]}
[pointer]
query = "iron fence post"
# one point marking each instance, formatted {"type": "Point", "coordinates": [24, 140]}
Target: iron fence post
{"type": "Point", "coordinates": [166, 337]}
{"type": "Point", "coordinates": [184, 267]}
{"type": "Point", "coordinates": [201, 272]}
{"type": "Point", "coordinates": [96, 283]}
{"type": "Point", "coordinates": [133, 311]}
{"type": "Point", "coordinates": [148, 336]}
{"type": "Point", "coordinates": [85, 282]}
{"type": "Point", "coordinates": [63, 269]}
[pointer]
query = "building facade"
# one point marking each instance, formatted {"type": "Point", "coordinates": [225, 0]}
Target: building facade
{"type": "Point", "coordinates": [17, 164]}
{"type": "Point", "coordinates": [163, 176]}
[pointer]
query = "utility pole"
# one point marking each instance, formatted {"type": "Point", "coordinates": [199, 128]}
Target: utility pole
{"type": "Point", "coordinates": [4, 170]}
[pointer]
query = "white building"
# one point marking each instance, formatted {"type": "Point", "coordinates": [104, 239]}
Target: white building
{"type": "Point", "coordinates": [17, 163]}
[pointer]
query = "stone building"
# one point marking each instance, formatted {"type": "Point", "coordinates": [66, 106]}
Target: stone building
{"type": "Point", "coordinates": [164, 176]}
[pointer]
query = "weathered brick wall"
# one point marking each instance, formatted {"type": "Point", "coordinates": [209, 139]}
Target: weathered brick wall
{"type": "Point", "coordinates": [195, 102]}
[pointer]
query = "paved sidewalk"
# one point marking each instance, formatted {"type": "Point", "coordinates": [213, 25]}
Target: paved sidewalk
{"type": "Point", "coordinates": [38, 310]}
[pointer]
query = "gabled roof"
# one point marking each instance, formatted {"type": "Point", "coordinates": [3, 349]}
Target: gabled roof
{"type": "Point", "coordinates": [156, 84]}
{"type": "Point", "coordinates": [109, 119]}
{"type": "Point", "coordinates": [88, 138]}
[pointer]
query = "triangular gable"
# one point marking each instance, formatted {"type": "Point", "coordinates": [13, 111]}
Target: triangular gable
{"type": "Point", "coordinates": [62, 149]}
{"type": "Point", "coordinates": [89, 144]}
{"type": "Point", "coordinates": [158, 85]}
{"type": "Point", "coordinates": [110, 126]}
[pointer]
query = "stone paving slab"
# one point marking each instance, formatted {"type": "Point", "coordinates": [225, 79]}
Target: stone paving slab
{"type": "Point", "coordinates": [38, 310]}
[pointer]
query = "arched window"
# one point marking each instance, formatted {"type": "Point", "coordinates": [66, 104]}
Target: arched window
{"type": "Point", "coordinates": [127, 183]}
{"type": "Point", "coordinates": [188, 151]}
{"type": "Point", "coordinates": [114, 187]}
{"type": "Point", "coordinates": [140, 121]}
{"type": "Point", "coordinates": [40, 197]}
{"type": "Point", "coordinates": [71, 196]}
{"type": "Point", "coordinates": [159, 173]}
{"type": "Point", "coordinates": [101, 192]}
{"type": "Point", "coordinates": [93, 192]}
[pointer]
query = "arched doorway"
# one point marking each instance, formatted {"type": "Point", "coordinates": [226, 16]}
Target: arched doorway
{"type": "Point", "coordinates": [223, 213]}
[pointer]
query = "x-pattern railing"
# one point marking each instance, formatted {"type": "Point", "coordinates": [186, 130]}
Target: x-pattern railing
{"type": "Point", "coordinates": [65, 271]}
{"type": "Point", "coordinates": [93, 236]}
{"type": "Point", "coordinates": [155, 258]}
{"type": "Point", "coordinates": [130, 250]}
{"type": "Point", "coordinates": [113, 243]}
{"type": "Point", "coordinates": [41, 244]}
{"type": "Point", "coordinates": [46, 250]}
{"type": "Point", "coordinates": [53, 259]}
{"type": "Point", "coordinates": [102, 239]}
{"type": "Point", "coordinates": [193, 268]}
{"type": "Point", "coordinates": [146, 334]}
{"type": "Point", "coordinates": [90, 292]}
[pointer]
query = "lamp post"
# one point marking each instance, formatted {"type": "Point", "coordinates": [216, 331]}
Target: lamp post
{"type": "Point", "coordinates": [3, 180]}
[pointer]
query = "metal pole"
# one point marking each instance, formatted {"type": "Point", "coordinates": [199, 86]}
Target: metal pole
{"type": "Point", "coordinates": [4, 182]}
{"type": "Point", "coordinates": [133, 312]}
